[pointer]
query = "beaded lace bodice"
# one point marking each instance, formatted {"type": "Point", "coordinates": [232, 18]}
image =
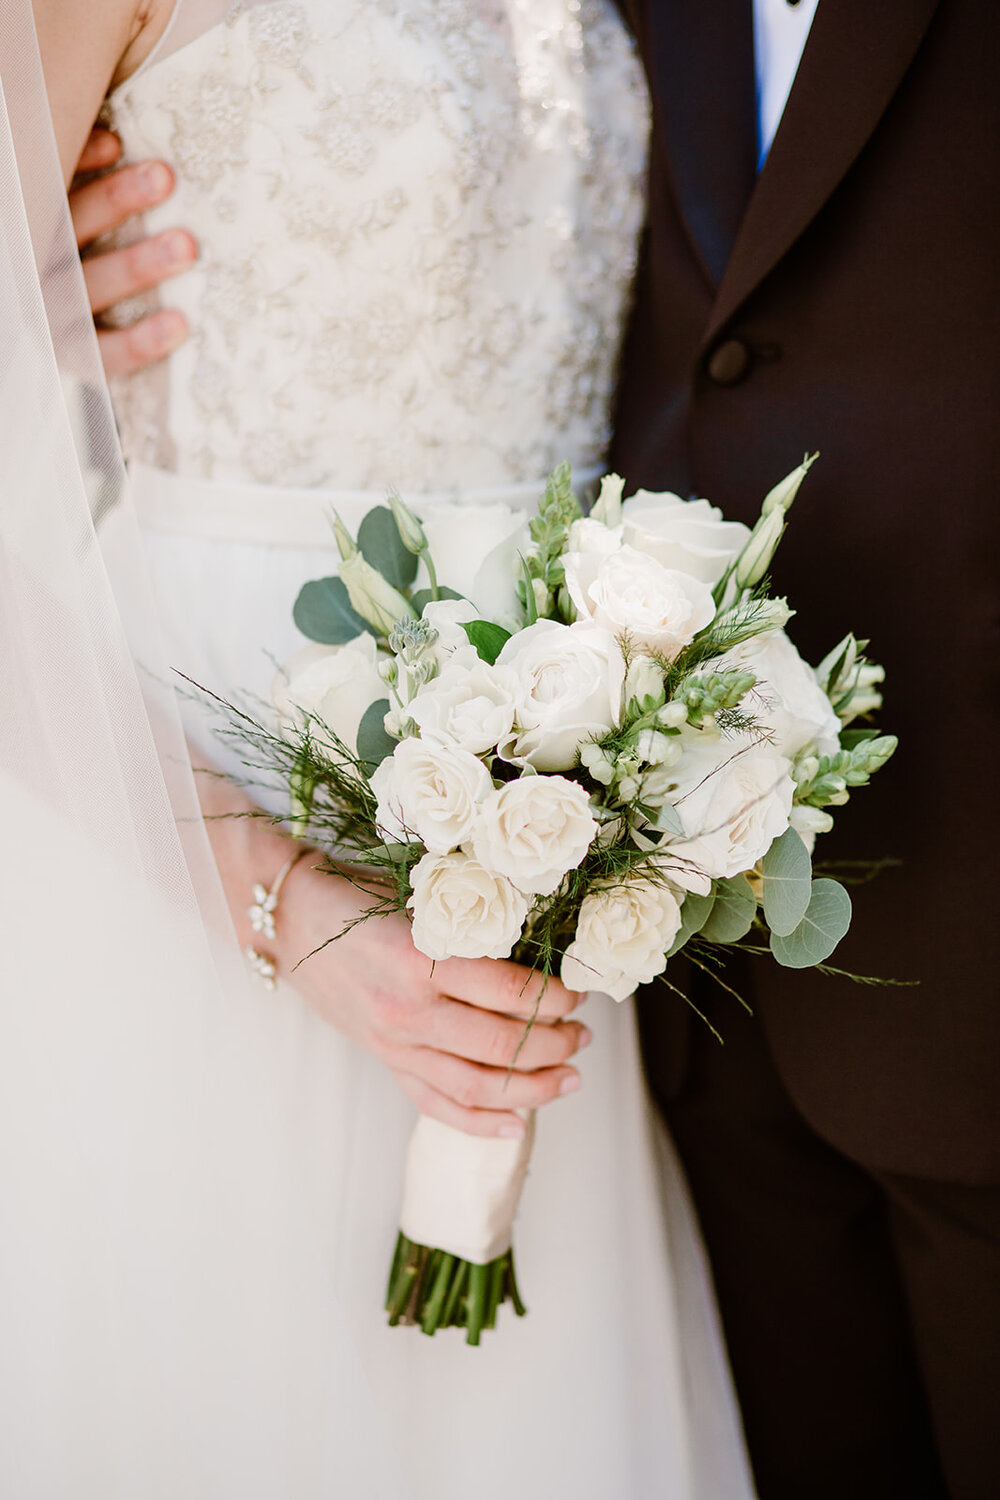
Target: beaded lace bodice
{"type": "Point", "coordinates": [417, 223]}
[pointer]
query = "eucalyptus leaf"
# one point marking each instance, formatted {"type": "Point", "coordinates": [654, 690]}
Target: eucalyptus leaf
{"type": "Point", "coordinates": [381, 545]}
{"type": "Point", "coordinates": [694, 914]}
{"type": "Point", "coordinates": [374, 744]}
{"type": "Point", "coordinates": [668, 819]}
{"type": "Point", "coordinates": [323, 612]}
{"type": "Point", "coordinates": [488, 639]}
{"type": "Point", "coordinates": [732, 914]}
{"type": "Point", "coordinates": [423, 597]}
{"type": "Point", "coordinates": [827, 919]}
{"type": "Point", "coordinates": [787, 872]}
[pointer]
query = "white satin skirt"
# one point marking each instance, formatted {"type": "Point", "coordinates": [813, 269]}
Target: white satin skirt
{"type": "Point", "coordinates": [616, 1384]}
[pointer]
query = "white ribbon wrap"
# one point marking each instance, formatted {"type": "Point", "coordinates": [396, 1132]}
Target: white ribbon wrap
{"type": "Point", "coordinates": [462, 1191]}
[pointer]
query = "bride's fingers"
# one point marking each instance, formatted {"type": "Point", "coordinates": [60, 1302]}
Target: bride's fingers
{"type": "Point", "coordinates": [125, 350]}
{"type": "Point", "coordinates": [483, 1036]}
{"type": "Point", "coordinates": [482, 1122]}
{"type": "Point", "coordinates": [99, 206]}
{"type": "Point", "coordinates": [496, 984]}
{"type": "Point", "coordinates": [102, 150]}
{"type": "Point", "coordinates": [473, 1086]}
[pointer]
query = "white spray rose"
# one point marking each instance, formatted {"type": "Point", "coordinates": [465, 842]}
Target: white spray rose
{"type": "Point", "coordinates": [533, 830]}
{"type": "Point", "coordinates": [469, 704]}
{"type": "Point", "coordinates": [734, 798]}
{"type": "Point", "coordinates": [475, 551]}
{"type": "Point", "coordinates": [461, 910]}
{"type": "Point", "coordinates": [569, 685]}
{"type": "Point", "coordinates": [660, 608]}
{"type": "Point", "coordinates": [689, 535]}
{"type": "Point", "coordinates": [430, 792]}
{"type": "Point", "coordinates": [336, 684]}
{"type": "Point", "coordinates": [787, 699]}
{"type": "Point", "coordinates": [622, 936]}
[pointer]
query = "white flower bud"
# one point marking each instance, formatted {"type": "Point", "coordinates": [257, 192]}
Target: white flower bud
{"type": "Point", "coordinates": [781, 497]}
{"type": "Point", "coordinates": [755, 559]}
{"type": "Point", "coordinates": [345, 542]}
{"type": "Point", "coordinates": [607, 508]}
{"type": "Point", "coordinates": [672, 715]}
{"type": "Point", "coordinates": [643, 690]}
{"type": "Point", "coordinates": [371, 596]}
{"type": "Point", "coordinates": [410, 530]}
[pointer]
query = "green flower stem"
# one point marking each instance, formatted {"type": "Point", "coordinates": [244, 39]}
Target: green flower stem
{"type": "Point", "coordinates": [433, 1289]}
{"type": "Point", "coordinates": [431, 572]}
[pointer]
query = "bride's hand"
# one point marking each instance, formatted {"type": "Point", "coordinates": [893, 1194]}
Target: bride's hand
{"type": "Point", "coordinates": [450, 1031]}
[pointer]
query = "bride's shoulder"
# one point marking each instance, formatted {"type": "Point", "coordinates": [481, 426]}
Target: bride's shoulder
{"type": "Point", "coordinates": [87, 49]}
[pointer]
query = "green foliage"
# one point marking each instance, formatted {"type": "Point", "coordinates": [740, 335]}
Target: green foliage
{"type": "Point", "coordinates": [834, 774]}
{"type": "Point", "coordinates": [488, 639]}
{"type": "Point", "coordinates": [422, 597]}
{"type": "Point", "coordinates": [323, 613]}
{"type": "Point", "coordinates": [382, 546]}
{"type": "Point", "coordinates": [826, 920]}
{"type": "Point", "coordinates": [708, 693]}
{"type": "Point", "coordinates": [549, 532]}
{"type": "Point", "coordinates": [733, 911]}
{"type": "Point", "coordinates": [786, 869]}
{"type": "Point", "coordinates": [374, 743]}
{"type": "Point", "coordinates": [694, 914]}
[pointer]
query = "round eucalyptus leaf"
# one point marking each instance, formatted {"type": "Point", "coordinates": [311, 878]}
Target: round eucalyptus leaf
{"type": "Point", "coordinates": [694, 914]}
{"type": "Point", "coordinates": [423, 597]}
{"type": "Point", "coordinates": [382, 546]}
{"type": "Point", "coordinates": [787, 883]}
{"type": "Point", "coordinates": [323, 613]}
{"type": "Point", "coordinates": [827, 918]}
{"type": "Point", "coordinates": [732, 914]}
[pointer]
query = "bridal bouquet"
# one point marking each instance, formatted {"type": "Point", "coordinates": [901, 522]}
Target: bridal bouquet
{"type": "Point", "coordinates": [582, 741]}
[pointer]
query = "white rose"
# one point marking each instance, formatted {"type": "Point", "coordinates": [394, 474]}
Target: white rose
{"type": "Point", "coordinates": [734, 798]}
{"type": "Point", "coordinates": [690, 535]}
{"type": "Point", "coordinates": [475, 551]}
{"type": "Point", "coordinates": [658, 607]}
{"type": "Point", "coordinates": [430, 792]}
{"type": "Point", "coordinates": [569, 684]}
{"type": "Point", "coordinates": [469, 704]}
{"type": "Point", "coordinates": [335, 684]}
{"type": "Point", "coordinates": [460, 910]}
{"type": "Point", "coordinates": [787, 699]}
{"type": "Point", "coordinates": [534, 830]}
{"type": "Point", "coordinates": [622, 936]}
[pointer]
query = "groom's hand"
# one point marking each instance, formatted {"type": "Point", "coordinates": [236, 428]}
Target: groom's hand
{"type": "Point", "coordinates": [102, 203]}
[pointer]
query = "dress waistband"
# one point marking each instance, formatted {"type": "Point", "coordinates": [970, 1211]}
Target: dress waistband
{"type": "Point", "coordinates": [285, 516]}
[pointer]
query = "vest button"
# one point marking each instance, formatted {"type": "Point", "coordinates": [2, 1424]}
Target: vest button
{"type": "Point", "coordinates": [729, 362]}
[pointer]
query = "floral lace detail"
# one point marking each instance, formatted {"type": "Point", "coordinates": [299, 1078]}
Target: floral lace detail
{"type": "Point", "coordinates": [418, 224]}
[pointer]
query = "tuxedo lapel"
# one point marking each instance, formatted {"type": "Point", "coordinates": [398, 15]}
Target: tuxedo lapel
{"type": "Point", "coordinates": [854, 59]}
{"type": "Point", "coordinates": [701, 59]}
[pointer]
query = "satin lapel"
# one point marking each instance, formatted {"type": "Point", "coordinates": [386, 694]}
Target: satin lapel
{"type": "Point", "coordinates": [854, 59]}
{"type": "Point", "coordinates": [702, 72]}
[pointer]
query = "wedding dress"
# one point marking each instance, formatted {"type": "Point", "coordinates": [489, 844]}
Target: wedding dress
{"type": "Point", "coordinates": [417, 223]}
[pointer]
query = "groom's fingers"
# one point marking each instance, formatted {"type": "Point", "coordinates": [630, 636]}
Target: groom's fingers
{"type": "Point", "coordinates": [496, 984]}
{"type": "Point", "coordinates": [119, 274]}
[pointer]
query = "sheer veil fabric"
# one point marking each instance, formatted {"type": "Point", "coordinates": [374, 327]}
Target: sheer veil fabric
{"type": "Point", "coordinates": [177, 1321]}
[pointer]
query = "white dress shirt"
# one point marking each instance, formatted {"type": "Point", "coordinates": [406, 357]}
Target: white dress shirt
{"type": "Point", "coordinates": [780, 29]}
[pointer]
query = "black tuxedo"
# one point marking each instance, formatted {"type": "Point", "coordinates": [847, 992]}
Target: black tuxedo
{"type": "Point", "coordinates": [845, 300]}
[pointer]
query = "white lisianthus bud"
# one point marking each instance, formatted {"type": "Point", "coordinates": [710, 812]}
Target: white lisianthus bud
{"type": "Point", "coordinates": [411, 532]}
{"type": "Point", "coordinates": [672, 715]}
{"type": "Point", "coordinates": [781, 497]}
{"type": "Point", "coordinates": [533, 830]}
{"type": "Point", "coordinates": [371, 596]}
{"type": "Point", "coordinates": [607, 508]}
{"type": "Point", "coordinates": [643, 685]}
{"type": "Point", "coordinates": [772, 614]}
{"type": "Point", "coordinates": [461, 910]}
{"type": "Point", "coordinates": [755, 559]}
{"type": "Point", "coordinates": [345, 542]}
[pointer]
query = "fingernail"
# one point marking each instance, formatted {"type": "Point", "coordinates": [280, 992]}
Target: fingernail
{"type": "Point", "coordinates": [570, 1084]}
{"type": "Point", "coordinates": [164, 332]}
{"type": "Point", "coordinates": [511, 1132]}
{"type": "Point", "coordinates": [174, 247]}
{"type": "Point", "coordinates": [155, 180]}
{"type": "Point", "coordinates": [586, 1037]}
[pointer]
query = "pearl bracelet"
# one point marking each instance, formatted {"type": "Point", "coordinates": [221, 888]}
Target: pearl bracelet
{"type": "Point", "coordinates": [262, 913]}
